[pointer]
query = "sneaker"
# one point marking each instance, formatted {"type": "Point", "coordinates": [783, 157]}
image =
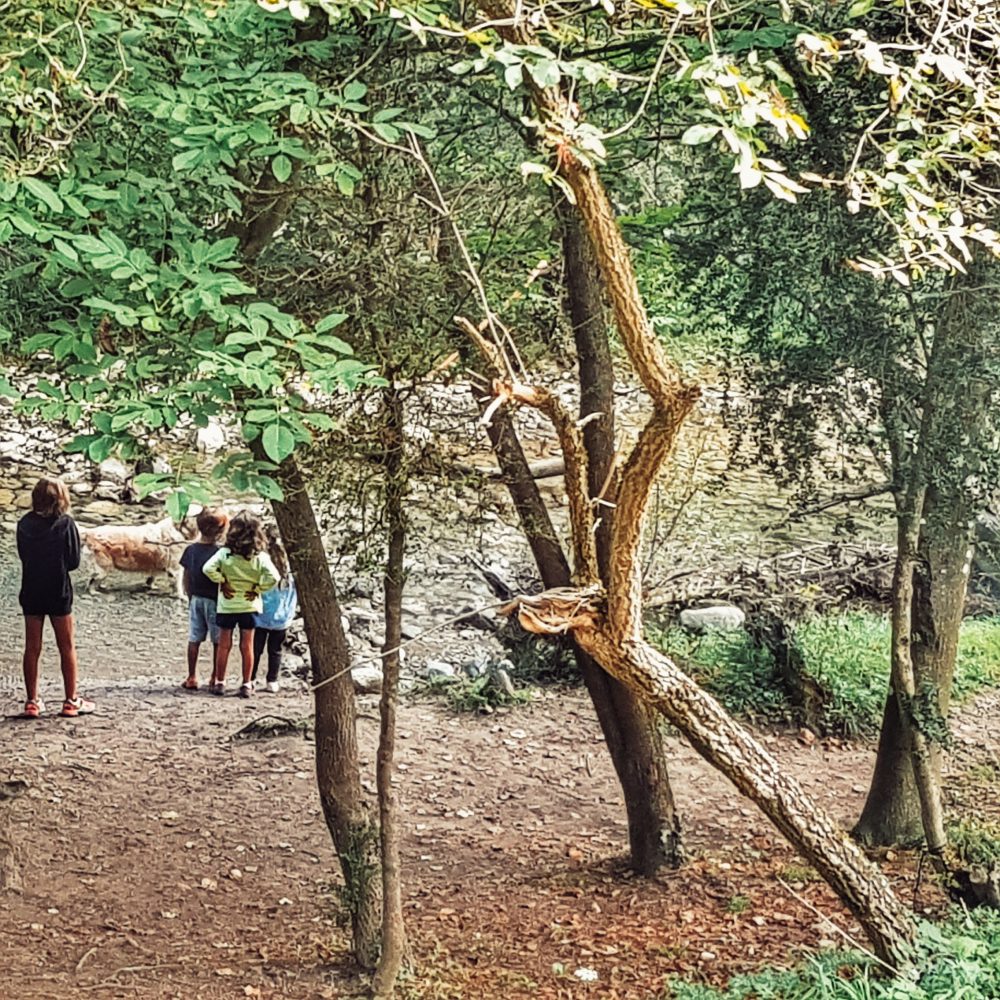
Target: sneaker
{"type": "Point", "coordinates": [33, 709]}
{"type": "Point", "coordinates": [246, 690]}
{"type": "Point", "coordinates": [73, 707]}
{"type": "Point", "coordinates": [273, 686]}
{"type": "Point", "coordinates": [217, 687]}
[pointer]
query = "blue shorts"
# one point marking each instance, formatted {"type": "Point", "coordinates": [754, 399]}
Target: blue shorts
{"type": "Point", "coordinates": [201, 620]}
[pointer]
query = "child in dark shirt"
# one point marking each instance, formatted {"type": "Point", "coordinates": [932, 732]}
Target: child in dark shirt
{"type": "Point", "coordinates": [48, 545]}
{"type": "Point", "coordinates": [203, 594]}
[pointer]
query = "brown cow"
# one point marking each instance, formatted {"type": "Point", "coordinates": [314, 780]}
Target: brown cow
{"type": "Point", "coordinates": [146, 549]}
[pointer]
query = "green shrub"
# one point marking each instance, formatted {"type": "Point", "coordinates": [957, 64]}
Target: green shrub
{"type": "Point", "coordinates": [958, 960]}
{"type": "Point", "coordinates": [847, 654]}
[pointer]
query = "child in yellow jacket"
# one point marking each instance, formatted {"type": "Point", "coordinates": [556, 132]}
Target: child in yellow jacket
{"type": "Point", "coordinates": [243, 570]}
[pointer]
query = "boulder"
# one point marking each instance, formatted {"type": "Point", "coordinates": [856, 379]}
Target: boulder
{"type": "Point", "coordinates": [721, 618]}
{"type": "Point", "coordinates": [367, 679]}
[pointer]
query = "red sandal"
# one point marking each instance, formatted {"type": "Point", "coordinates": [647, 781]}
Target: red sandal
{"type": "Point", "coordinates": [34, 708]}
{"type": "Point", "coordinates": [190, 684]}
{"type": "Point", "coordinates": [72, 707]}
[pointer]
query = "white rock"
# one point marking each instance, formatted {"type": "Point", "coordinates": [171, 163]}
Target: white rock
{"type": "Point", "coordinates": [367, 679]}
{"type": "Point", "coordinates": [722, 618]}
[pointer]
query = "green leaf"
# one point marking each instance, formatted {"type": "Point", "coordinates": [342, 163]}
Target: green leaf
{"type": "Point", "coordinates": [354, 91]}
{"type": "Point", "coordinates": [330, 321]}
{"type": "Point", "coordinates": [43, 193]}
{"type": "Point", "coordinates": [281, 167]}
{"type": "Point", "coordinates": [177, 504]}
{"type": "Point", "coordinates": [695, 135]}
{"type": "Point", "coordinates": [269, 489]}
{"type": "Point", "coordinates": [66, 250]}
{"type": "Point", "coordinates": [860, 7]}
{"type": "Point", "coordinates": [278, 442]}
{"type": "Point", "coordinates": [188, 158]}
{"type": "Point", "coordinates": [298, 113]}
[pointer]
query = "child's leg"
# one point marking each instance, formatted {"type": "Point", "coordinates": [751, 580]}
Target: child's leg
{"type": "Point", "coordinates": [193, 650]}
{"type": "Point", "coordinates": [32, 651]}
{"type": "Point", "coordinates": [222, 653]}
{"type": "Point", "coordinates": [246, 652]}
{"type": "Point", "coordinates": [64, 629]}
{"type": "Point", "coordinates": [259, 640]}
{"type": "Point", "coordinates": [275, 640]}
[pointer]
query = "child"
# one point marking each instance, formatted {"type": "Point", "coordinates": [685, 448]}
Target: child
{"type": "Point", "coordinates": [243, 571]}
{"type": "Point", "coordinates": [271, 625]}
{"type": "Point", "coordinates": [49, 547]}
{"type": "Point", "coordinates": [202, 592]}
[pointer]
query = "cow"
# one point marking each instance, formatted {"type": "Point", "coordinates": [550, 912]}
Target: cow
{"type": "Point", "coordinates": [149, 550]}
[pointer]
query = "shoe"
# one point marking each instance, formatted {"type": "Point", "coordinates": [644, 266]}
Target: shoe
{"type": "Point", "coordinates": [73, 707]}
{"type": "Point", "coordinates": [217, 687]}
{"type": "Point", "coordinates": [33, 709]}
{"type": "Point", "coordinates": [246, 690]}
{"type": "Point", "coordinates": [273, 686]}
{"type": "Point", "coordinates": [190, 684]}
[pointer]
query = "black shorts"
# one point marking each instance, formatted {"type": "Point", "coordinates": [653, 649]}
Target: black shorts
{"type": "Point", "coordinates": [245, 619]}
{"type": "Point", "coordinates": [54, 609]}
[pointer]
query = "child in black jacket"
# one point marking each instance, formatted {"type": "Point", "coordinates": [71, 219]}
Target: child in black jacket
{"type": "Point", "coordinates": [49, 546]}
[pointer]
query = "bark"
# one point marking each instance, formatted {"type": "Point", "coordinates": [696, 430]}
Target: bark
{"type": "Point", "coordinates": [632, 732]}
{"type": "Point", "coordinates": [393, 932]}
{"type": "Point", "coordinates": [730, 748]}
{"type": "Point", "coordinates": [610, 628]}
{"type": "Point", "coordinates": [338, 771]}
{"type": "Point", "coordinates": [633, 739]}
{"type": "Point", "coordinates": [948, 451]}
{"type": "Point", "coordinates": [892, 810]}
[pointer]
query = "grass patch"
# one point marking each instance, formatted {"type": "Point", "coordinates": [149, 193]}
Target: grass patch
{"type": "Point", "coordinates": [960, 958]}
{"type": "Point", "coordinates": [848, 655]}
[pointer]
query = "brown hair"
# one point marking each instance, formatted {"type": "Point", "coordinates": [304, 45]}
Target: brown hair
{"type": "Point", "coordinates": [245, 536]}
{"type": "Point", "coordinates": [211, 523]}
{"type": "Point", "coordinates": [50, 498]}
{"type": "Point", "coordinates": [277, 551]}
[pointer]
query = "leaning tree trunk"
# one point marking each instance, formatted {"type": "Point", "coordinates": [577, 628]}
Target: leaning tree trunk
{"type": "Point", "coordinates": [393, 932]}
{"type": "Point", "coordinates": [633, 733]}
{"type": "Point", "coordinates": [338, 771]}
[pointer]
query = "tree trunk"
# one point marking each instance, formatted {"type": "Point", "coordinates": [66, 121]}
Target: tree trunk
{"type": "Point", "coordinates": [633, 733]}
{"type": "Point", "coordinates": [948, 452]}
{"type": "Point", "coordinates": [892, 810]}
{"type": "Point", "coordinates": [393, 932]}
{"type": "Point", "coordinates": [338, 772]}
{"type": "Point", "coordinates": [731, 749]}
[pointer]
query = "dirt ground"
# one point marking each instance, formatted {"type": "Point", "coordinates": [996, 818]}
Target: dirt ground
{"type": "Point", "coordinates": [162, 858]}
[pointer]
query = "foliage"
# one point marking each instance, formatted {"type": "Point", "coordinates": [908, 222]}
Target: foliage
{"type": "Point", "coordinates": [975, 843]}
{"type": "Point", "coordinates": [123, 211]}
{"type": "Point", "coordinates": [959, 959]}
{"type": "Point", "coordinates": [474, 694]}
{"type": "Point", "coordinates": [848, 655]}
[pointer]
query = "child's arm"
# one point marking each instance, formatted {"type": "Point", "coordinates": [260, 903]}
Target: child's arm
{"type": "Point", "coordinates": [72, 546]}
{"type": "Point", "coordinates": [186, 582]}
{"type": "Point", "coordinates": [268, 574]}
{"type": "Point", "coordinates": [213, 568]}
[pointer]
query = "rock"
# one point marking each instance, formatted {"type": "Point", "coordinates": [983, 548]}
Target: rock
{"type": "Point", "coordinates": [115, 471]}
{"type": "Point", "coordinates": [439, 668]}
{"type": "Point", "coordinates": [367, 679]}
{"type": "Point", "coordinates": [99, 510]}
{"type": "Point", "coordinates": [722, 618]}
{"type": "Point", "coordinates": [210, 439]}
{"type": "Point", "coordinates": [6, 498]}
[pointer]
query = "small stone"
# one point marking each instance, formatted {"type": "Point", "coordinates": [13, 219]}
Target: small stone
{"type": "Point", "coordinates": [721, 618]}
